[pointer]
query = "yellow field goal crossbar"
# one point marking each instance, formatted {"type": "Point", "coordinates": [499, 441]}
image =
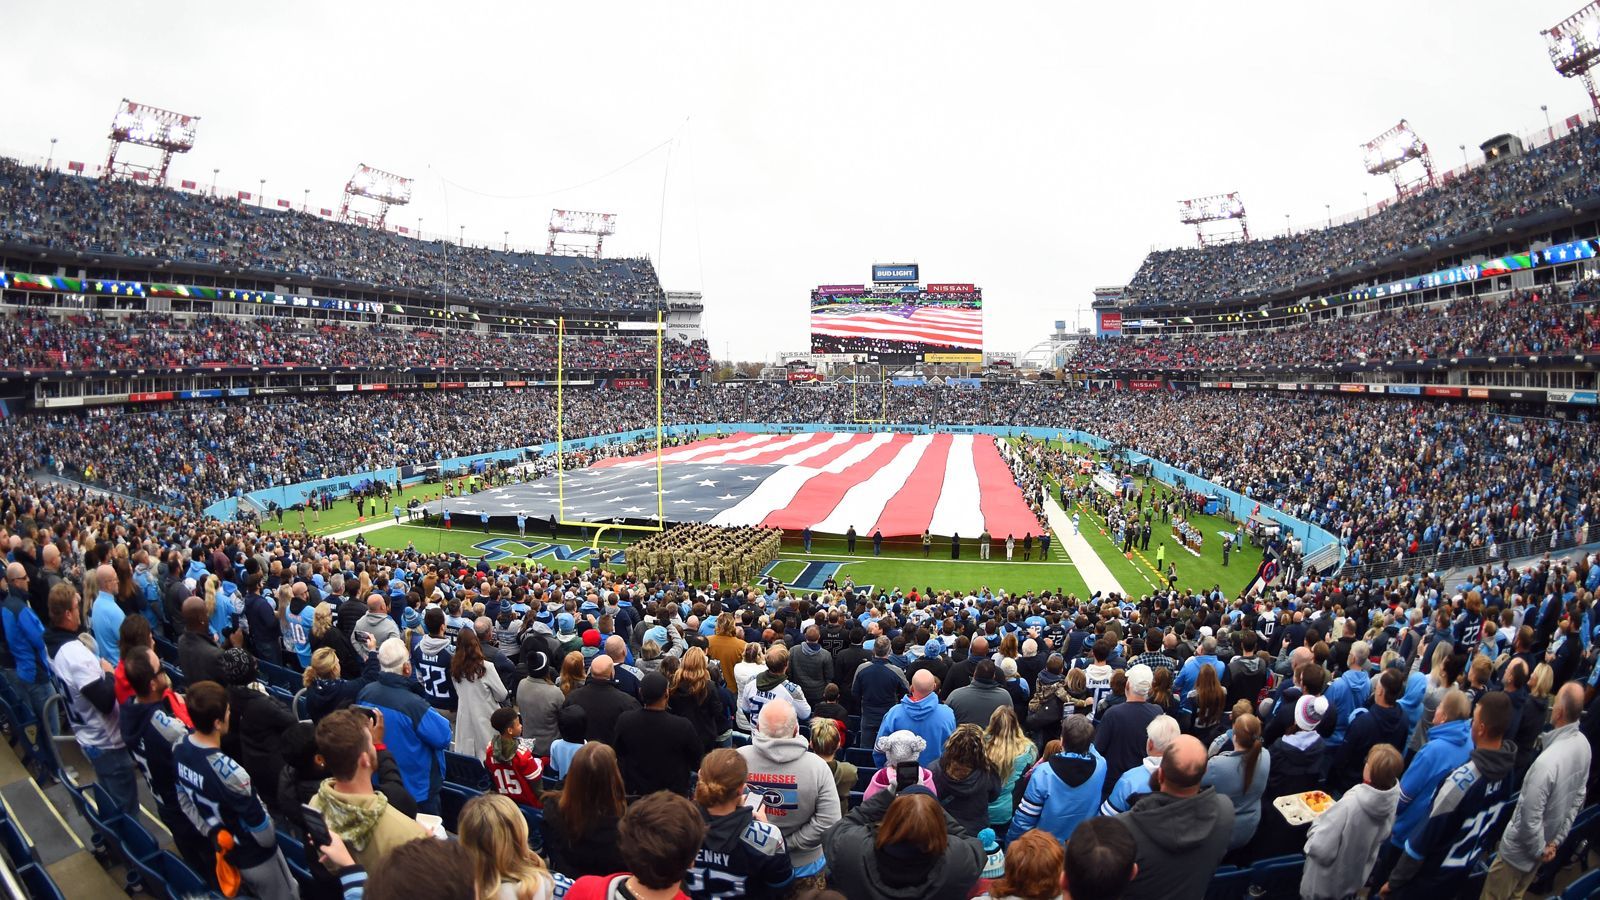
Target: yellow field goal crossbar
{"type": "Point", "coordinates": [561, 491]}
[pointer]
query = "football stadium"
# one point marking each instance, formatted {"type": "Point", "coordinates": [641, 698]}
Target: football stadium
{"type": "Point", "coordinates": [746, 469]}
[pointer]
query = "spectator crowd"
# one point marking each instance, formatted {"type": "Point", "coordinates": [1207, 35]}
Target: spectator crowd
{"type": "Point", "coordinates": [88, 341]}
{"type": "Point", "coordinates": [595, 733]}
{"type": "Point", "coordinates": [1546, 179]}
{"type": "Point", "coordinates": [64, 212]}
{"type": "Point", "coordinates": [1392, 479]}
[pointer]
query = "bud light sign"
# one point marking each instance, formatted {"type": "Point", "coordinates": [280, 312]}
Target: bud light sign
{"type": "Point", "coordinates": [895, 274]}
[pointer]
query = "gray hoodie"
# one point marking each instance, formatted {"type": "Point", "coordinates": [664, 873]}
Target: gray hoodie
{"type": "Point", "coordinates": [380, 625]}
{"type": "Point", "coordinates": [801, 797]}
{"type": "Point", "coordinates": [1179, 841]}
{"type": "Point", "coordinates": [1343, 842]}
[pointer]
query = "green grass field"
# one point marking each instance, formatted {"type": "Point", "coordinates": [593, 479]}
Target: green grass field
{"type": "Point", "coordinates": [1141, 574]}
{"type": "Point", "coordinates": [900, 565]}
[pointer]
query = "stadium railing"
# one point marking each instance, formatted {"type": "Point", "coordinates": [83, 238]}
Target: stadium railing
{"type": "Point", "coordinates": [1502, 552]}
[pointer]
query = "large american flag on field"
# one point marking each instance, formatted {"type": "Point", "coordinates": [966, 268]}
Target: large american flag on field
{"type": "Point", "coordinates": [945, 326]}
{"type": "Point", "coordinates": [901, 484]}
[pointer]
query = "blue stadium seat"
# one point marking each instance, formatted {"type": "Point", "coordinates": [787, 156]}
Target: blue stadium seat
{"type": "Point", "coordinates": [179, 680]}
{"type": "Point", "coordinates": [278, 676]}
{"type": "Point", "coordinates": [38, 883]}
{"type": "Point", "coordinates": [452, 797]}
{"type": "Point", "coordinates": [1229, 883]}
{"type": "Point", "coordinates": [294, 853]}
{"type": "Point", "coordinates": [863, 778]}
{"type": "Point", "coordinates": [167, 650]}
{"type": "Point", "coordinates": [857, 798]}
{"type": "Point", "coordinates": [1583, 836]}
{"type": "Point", "coordinates": [283, 696]}
{"type": "Point", "coordinates": [853, 725]}
{"type": "Point", "coordinates": [1584, 888]}
{"type": "Point", "coordinates": [535, 826]}
{"type": "Point", "coordinates": [740, 739]}
{"type": "Point", "coordinates": [861, 758]}
{"type": "Point", "coordinates": [467, 771]}
{"type": "Point", "coordinates": [136, 846]}
{"type": "Point", "coordinates": [166, 875]}
{"type": "Point", "coordinates": [17, 846]}
{"type": "Point", "coordinates": [1278, 876]}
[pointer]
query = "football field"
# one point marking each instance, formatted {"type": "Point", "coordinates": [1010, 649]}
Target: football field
{"type": "Point", "coordinates": [901, 563]}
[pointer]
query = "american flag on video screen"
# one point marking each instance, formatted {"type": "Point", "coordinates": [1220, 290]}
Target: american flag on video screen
{"type": "Point", "coordinates": [944, 326]}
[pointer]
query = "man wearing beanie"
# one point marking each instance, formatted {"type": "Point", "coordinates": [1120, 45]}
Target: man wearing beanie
{"type": "Point", "coordinates": [656, 750]}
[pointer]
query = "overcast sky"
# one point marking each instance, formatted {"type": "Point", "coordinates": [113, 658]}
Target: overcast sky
{"type": "Point", "coordinates": [1036, 149]}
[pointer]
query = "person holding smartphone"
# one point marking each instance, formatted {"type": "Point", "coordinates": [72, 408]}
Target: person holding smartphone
{"type": "Point", "coordinates": [742, 854]}
{"type": "Point", "coordinates": [346, 802]}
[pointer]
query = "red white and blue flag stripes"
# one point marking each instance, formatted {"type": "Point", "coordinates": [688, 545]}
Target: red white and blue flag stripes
{"type": "Point", "coordinates": [900, 484]}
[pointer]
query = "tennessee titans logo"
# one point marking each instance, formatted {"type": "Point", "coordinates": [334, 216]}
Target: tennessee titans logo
{"type": "Point", "coordinates": [813, 576]}
{"type": "Point", "coordinates": [495, 550]}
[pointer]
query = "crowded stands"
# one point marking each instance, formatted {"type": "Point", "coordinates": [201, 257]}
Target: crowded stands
{"type": "Point", "coordinates": [83, 341]}
{"type": "Point", "coordinates": [1547, 321]}
{"type": "Point", "coordinates": [1448, 478]}
{"type": "Point", "coordinates": [587, 730]}
{"type": "Point", "coordinates": [62, 212]}
{"type": "Point", "coordinates": [1546, 179]}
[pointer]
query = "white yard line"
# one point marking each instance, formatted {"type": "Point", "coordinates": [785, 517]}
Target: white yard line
{"type": "Point", "coordinates": [1095, 574]}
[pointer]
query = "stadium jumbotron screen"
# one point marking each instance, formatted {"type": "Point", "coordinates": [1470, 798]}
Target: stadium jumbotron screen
{"type": "Point", "coordinates": [933, 323]}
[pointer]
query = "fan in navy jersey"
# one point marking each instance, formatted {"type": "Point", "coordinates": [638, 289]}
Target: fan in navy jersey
{"type": "Point", "coordinates": [1442, 849]}
{"type": "Point", "coordinates": [151, 729]}
{"type": "Point", "coordinates": [430, 661]}
{"type": "Point", "coordinates": [742, 855]}
{"type": "Point", "coordinates": [216, 794]}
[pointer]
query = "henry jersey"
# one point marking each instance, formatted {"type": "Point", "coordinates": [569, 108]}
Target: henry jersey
{"type": "Point", "coordinates": [215, 793]}
{"type": "Point", "coordinates": [740, 857]}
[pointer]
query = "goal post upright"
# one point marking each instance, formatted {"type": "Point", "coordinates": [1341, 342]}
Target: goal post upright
{"type": "Point", "coordinates": [561, 496]}
{"type": "Point", "coordinates": [883, 399]}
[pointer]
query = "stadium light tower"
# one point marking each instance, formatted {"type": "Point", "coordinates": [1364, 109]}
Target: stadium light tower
{"type": "Point", "coordinates": [566, 221]}
{"type": "Point", "coordinates": [385, 188]}
{"type": "Point", "coordinates": [1215, 208]}
{"type": "Point", "coordinates": [146, 126]}
{"type": "Point", "coordinates": [1574, 46]}
{"type": "Point", "coordinates": [1391, 152]}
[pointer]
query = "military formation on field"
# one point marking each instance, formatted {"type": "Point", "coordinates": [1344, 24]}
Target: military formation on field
{"type": "Point", "coordinates": [706, 554]}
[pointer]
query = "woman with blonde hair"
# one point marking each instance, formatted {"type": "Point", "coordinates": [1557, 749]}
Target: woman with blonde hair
{"type": "Point", "coordinates": [495, 835]}
{"type": "Point", "coordinates": [573, 672]}
{"type": "Point", "coordinates": [1443, 671]}
{"type": "Point", "coordinates": [1240, 774]}
{"type": "Point", "coordinates": [326, 688]}
{"type": "Point", "coordinates": [692, 696]}
{"type": "Point", "coordinates": [1010, 752]}
{"type": "Point", "coordinates": [327, 635]}
{"type": "Point", "coordinates": [734, 830]}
